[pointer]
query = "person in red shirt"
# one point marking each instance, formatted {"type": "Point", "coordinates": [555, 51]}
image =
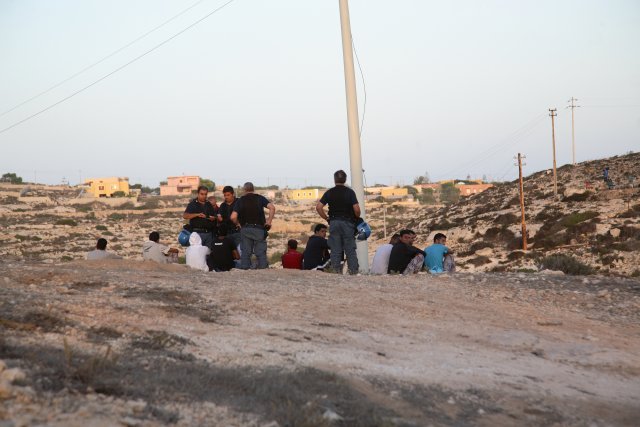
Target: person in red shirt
{"type": "Point", "coordinates": [293, 258]}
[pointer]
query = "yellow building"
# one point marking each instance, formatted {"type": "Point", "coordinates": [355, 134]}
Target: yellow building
{"type": "Point", "coordinates": [105, 187]}
{"type": "Point", "coordinates": [304, 194]}
{"type": "Point", "coordinates": [394, 192]}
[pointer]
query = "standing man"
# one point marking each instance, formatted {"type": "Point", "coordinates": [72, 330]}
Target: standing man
{"type": "Point", "coordinates": [224, 214]}
{"type": "Point", "coordinates": [343, 212]}
{"type": "Point", "coordinates": [249, 214]}
{"type": "Point", "coordinates": [202, 216]}
{"type": "Point", "coordinates": [316, 254]}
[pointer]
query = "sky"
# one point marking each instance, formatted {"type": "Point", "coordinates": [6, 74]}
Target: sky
{"type": "Point", "coordinates": [255, 92]}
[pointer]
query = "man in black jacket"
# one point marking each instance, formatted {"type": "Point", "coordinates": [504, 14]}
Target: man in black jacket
{"type": "Point", "coordinates": [406, 258]}
{"type": "Point", "coordinates": [316, 253]}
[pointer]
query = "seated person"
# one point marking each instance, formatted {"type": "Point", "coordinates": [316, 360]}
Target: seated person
{"type": "Point", "coordinates": [405, 258]}
{"type": "Point", "coordinates": [100, 252]}
{"type": "Point", "coordinates": [316, 254]}
{"type": "Point", "coordinates": [439, 258]}
{"type": "Point", "coordinates": [380, 262]}
{"type": "Point", "coordinates": [152, 250]}
{"type": "Point", "coordinates": [223, 251]}
{"type": "Point", "coordinates": [292, 259]}
{"type": "Point", "coordinates": [196, 253]}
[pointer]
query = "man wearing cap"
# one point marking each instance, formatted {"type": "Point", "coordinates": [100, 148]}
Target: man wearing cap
{"type": "Point", "coordinates": [248, 213]}
{"type": "Point", "coordinates": [344, 210]}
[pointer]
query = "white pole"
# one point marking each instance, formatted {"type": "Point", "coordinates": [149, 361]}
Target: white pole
{"type": "Point", "coordinates": [354, 127]}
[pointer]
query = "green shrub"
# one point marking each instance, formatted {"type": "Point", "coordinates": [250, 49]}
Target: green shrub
{"type": "Point", "coordinates": [66, 221]}
{"type": "Point", "coordinates": [101, 227]}
{"type": "Point", "coordinates": [117, 216]}
{"type": "Point", "coordinates": [578, 217]}
{"type": "Point", "coordinates": [566, 264]}
{"type": "Point", "coordinates": [275, 257]}
{"type": "Point", "coordinates": [577, 197]}
{"type": "Point", "coordinates": [119, 194]}
{"type": "Point", "coordinates": [506, 219]}
{"type": "Point", "coordinates": [479, 260]}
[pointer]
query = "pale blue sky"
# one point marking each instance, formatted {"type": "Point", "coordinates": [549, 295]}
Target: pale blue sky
{"type": "Point", "coordinates": [256, 91]}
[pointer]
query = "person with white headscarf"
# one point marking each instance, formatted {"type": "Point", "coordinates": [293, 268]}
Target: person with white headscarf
{"type": "Point", "coordinates": [197, 254]}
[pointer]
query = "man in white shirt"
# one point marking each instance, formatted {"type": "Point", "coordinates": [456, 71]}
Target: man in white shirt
{"type": "Point", "coordinates": [152, 250]}
{"type": "Point", "coordinates": [100, 252]}
{"type": "Point", "coordinates": [380, 262]}
{"type": "Point", "coordinates": [197, 254]}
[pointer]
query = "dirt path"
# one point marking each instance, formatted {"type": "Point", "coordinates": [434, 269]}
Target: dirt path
{"type": "Point", "coordinates": [308, 348]}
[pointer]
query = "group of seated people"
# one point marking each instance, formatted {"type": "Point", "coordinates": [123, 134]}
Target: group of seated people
{"type": "Point", "coordinates": [399, 256]}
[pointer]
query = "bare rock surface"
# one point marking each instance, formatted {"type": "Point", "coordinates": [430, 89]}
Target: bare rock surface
{"type": "Point", "coordinates": [138, 344]}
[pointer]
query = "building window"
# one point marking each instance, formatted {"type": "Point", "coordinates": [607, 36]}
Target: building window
{"type": "Point", "coordinates": [101, 187]}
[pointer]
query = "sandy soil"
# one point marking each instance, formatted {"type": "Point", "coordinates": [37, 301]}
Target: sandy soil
{"type": "Point", "coordinates": [133, 343]}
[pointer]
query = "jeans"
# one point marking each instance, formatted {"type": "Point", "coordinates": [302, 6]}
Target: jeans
{"type": "Point", "coordinates": [207, 239]}
{"type": "Point", "coordinates": [253, 242]}
{"type": "Point", "coordinates": [342, 239]}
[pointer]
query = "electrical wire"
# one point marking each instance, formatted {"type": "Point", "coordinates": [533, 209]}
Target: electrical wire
{"type": "Point", "coordinates": [87, 68]}
{"type": "Point", "coordinates": [119, 68]}
{"type": "Point", "coordinates": [490, 152]}
{"type": "Point", "coordinates": [364, 86]}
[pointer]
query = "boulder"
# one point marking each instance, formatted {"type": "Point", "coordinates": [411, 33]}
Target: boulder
{"type": "Point", "coordinates": [484, 252]}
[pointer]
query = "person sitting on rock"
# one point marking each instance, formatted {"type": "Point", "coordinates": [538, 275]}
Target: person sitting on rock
{"type": "Point", "coordinates": [152, 250]}
{"type": "Point", "coordinates": [316, 254]}
{"type": "Point", "coordinates": [439, 258]}
{"type": "Point", "coordinates": [196, 253]}
{"type": "Point", "coordinates": [380, 263]}
{"type": "Point", "coordinates": [292, 259]}
{"type": "Point", "coordinates": [223, 251]}
{"type": "Point", "coordinates": [100, 252]}
{"type": "Point", "coordinates": [405, 258]}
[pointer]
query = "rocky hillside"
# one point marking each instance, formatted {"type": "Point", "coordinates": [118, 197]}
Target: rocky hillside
{"type": "Point", "coordinates": [590, 227]}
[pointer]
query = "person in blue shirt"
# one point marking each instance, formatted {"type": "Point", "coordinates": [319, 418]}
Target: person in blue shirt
{"type": "Point", "coordinates": [439, 258]}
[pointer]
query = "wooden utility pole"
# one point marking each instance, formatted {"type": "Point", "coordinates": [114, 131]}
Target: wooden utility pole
{"type": "Point", "coordinates": [573, 136]}
{"type": "Point", "coordinates": [552, 113]}
{"type": "Point", "coordinates": [524, 225]}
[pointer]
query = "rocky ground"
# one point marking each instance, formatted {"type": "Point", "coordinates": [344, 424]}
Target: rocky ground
{"type": "Point", "coordinates": [136, 344]}
{"type": "Point", "coordinates": [598, 227]}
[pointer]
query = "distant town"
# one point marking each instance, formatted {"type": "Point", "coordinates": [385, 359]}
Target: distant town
{"type": "Point", "coordinates": [446, 191]}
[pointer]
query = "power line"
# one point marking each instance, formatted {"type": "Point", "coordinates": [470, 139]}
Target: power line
{"type": "Point", "coordinates": [87, 68]}
{"type": "Point", "coordinates": [117, 69]}
{"type": "Point", "coordinates": [364, 86]}
{"type": "Point", "coordinates": [490, 152]}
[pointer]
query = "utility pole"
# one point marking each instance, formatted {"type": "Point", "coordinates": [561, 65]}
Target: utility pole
{"type": "Point", "coordinates": [573, 136]}
{"type": "Point", "coordinates": [355, 155]}
{"type": "Point", "coordinates": [552, 113]}
{"type": "Point", "coordinates": [524, 225]}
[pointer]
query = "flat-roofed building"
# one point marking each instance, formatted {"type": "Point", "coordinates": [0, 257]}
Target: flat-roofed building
{"type": "Point", "coordinates": [106, 187]}
{"type": "Point", "coordinates": [180, 185]}
{"type": "Point", "coordinates": [304, 194]}
{"type": "Point", "coordinates": [471, 189]}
